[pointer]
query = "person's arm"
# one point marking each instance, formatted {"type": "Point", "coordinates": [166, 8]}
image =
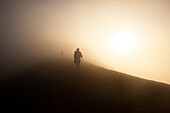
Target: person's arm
{"type": "Point", "coordinates": [81, 55]}
{"type": "Point", "coordinates": [74, 55]}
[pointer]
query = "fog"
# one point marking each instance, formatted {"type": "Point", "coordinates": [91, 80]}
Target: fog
{"type": "Point", "coordinates": [36, 31]}
{"type": "Point", "coordinates": [25, 40]}
{"type": "Point", "coordinates": [31, 33]}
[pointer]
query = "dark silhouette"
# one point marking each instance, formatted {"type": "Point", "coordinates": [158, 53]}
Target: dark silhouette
{"type": "Point", "coordinates": [50, 87]}
{"type": "Point", "coordinates": [77, 58]}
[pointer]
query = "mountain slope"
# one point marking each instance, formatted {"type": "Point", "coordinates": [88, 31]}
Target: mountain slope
{"type": "Point", "coordinates": [56, 87]}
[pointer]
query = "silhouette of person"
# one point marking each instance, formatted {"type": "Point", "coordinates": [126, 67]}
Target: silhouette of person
{"type": "Point", "coordinates": [77, 58]}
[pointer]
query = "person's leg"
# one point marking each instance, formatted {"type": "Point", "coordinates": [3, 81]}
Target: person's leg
{"type": "Point", "coordinates": [78, 66]}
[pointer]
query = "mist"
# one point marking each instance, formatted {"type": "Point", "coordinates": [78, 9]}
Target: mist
{"type": "Point", "coordinates": [36, 31]}
{"type": "Point", "coordinates": [25, 40]}
{"type": "Point", "coordinates": [33, 32]}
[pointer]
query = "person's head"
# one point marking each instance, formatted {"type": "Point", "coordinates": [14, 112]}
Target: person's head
{"type": "Point", "coordinates": [78, 49]}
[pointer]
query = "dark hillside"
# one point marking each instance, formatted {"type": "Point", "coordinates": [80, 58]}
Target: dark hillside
{"type": "Point", "coordinates": [56, 87]}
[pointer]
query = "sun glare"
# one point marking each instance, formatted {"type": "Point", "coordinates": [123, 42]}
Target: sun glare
{"type": "Point", "coordinates": [122, 42]}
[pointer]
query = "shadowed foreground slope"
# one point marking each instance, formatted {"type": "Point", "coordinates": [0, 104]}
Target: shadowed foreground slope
{"type": "Point", "coordinates": [56, 87]}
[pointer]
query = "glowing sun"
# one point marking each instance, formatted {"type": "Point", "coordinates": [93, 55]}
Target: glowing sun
{"type": "Point", "coordinates": [122, 42]}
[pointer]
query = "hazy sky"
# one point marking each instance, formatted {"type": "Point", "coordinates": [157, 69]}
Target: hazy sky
{"type": "Point", "coordinates": [91, 24]}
